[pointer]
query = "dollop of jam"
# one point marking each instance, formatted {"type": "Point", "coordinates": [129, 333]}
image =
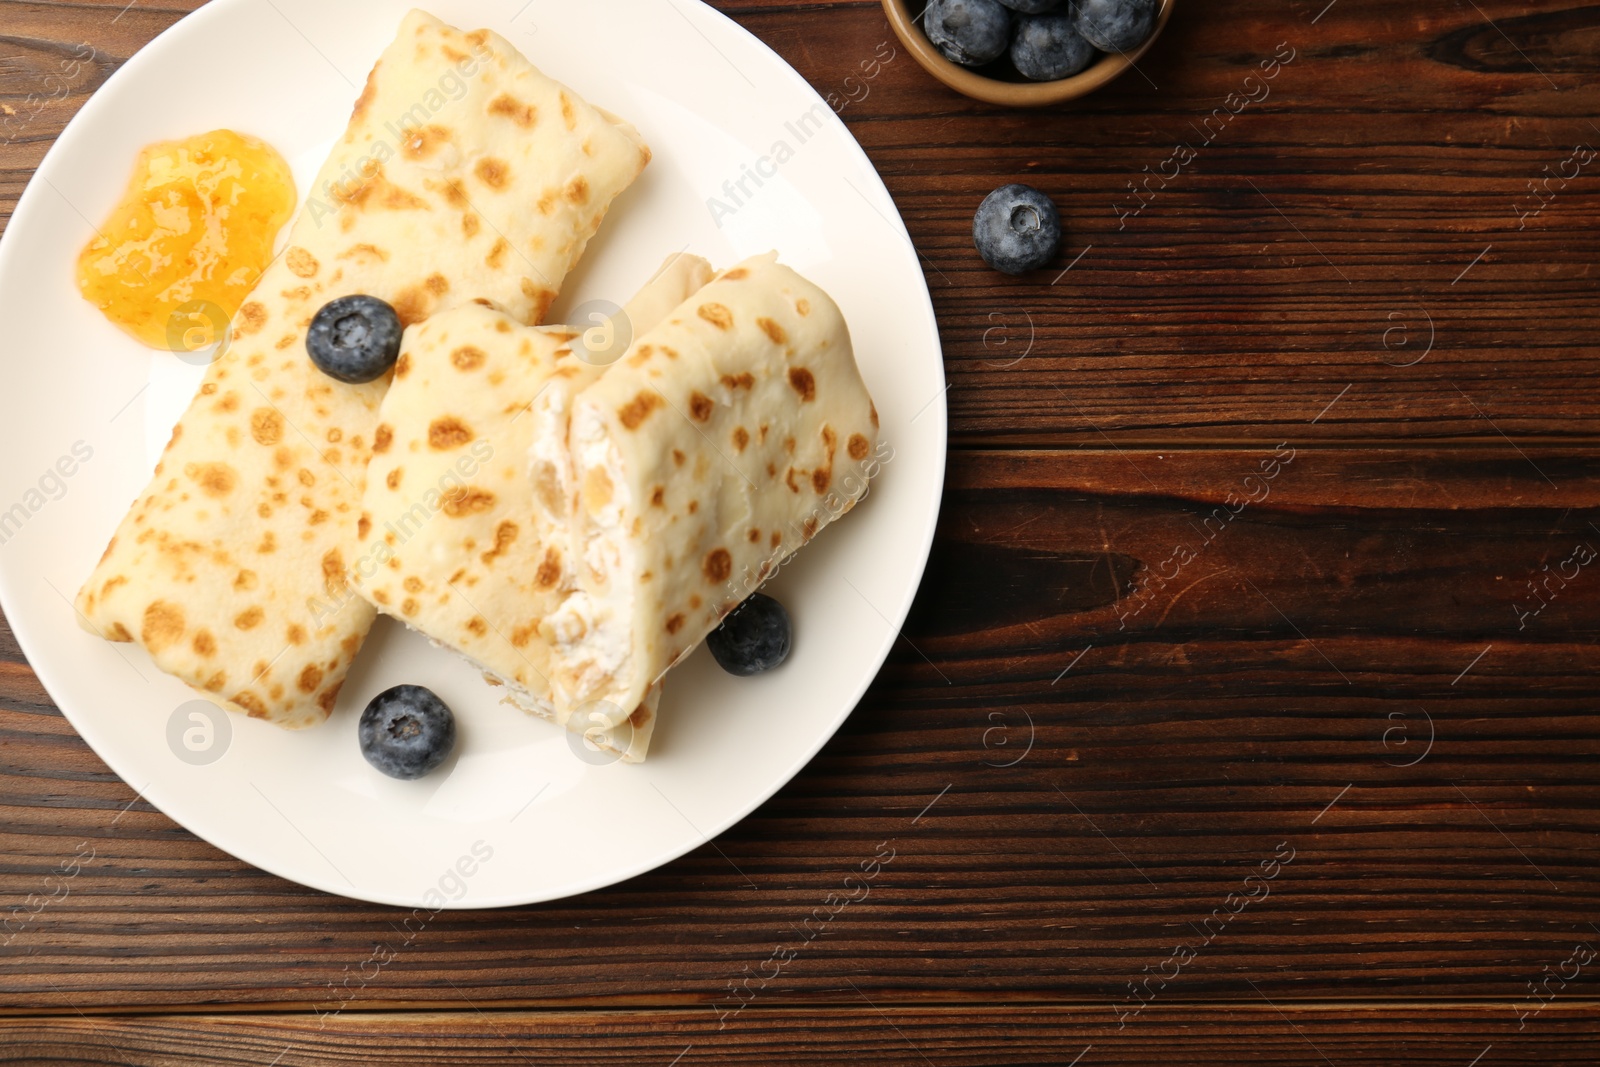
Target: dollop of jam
{"type": "Point", "coordinates": [187, 243]}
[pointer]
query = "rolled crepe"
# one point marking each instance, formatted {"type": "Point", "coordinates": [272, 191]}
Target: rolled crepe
{"type": "Point", "coordinates": [725, 439]}
{"type": "Point", "coordinates": [451, 543]}
{"type": "Point", "coordinates": [465, 175]}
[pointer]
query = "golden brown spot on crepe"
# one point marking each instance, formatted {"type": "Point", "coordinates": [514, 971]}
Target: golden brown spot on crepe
{"type": "Point", "coordinates": [437, 284]}
{"type": "Point", "coordinates": [523, 115]}
{"type": "Point", "coordinates": [229, 402]}
{"type": "Point", "coordinates": [296, 634]}
{"type": "Point", "coordinates": [788, 479]}
{"type": "Point", "coordinates": [217, 479]}
{"type": "Point", "coordinates": [547, 202]}
{"type": "Point", "coordinates": [249, 618]}
{"type": "Point", "coordinates": [858, 446]}
{"type": "Point", "coordinates": [468, 358]}
{"type": "Point", "coordinates": [413, 584]}
{"type": "Point", "coordinates": [716, 315]}
{"type": "Point", "coordinates": [497, 254]}
{"type": "Point", "coordinates": [424, 141]}
{"type": "Point", "coordinates": [301, 264]}
{"type": "Point", "coordinates": [368, 91]}
{"type": "Point", "coordinates": [478, 626]}
{"type": "Point", "coordinates": [675, 623]}
{"type": "Point", "coordinates": [873, 409]}
{"type": "Point", "coordinates": [380, 596]}
{"type": "Point", "coordinates": [803, 383]}
{"type": "Point", "coordinates": [411, 307]}
{"type": "Point", "coordinates": [494, 173]}
{"type": "Point", "coordinates": [502, 326]}
{"type": "Point", "coordinates": [269, 543]}
{"type": "Point", "coordinates": [736, 274]}
{"type": "Point", "coordinates": [638, 409]}
{"type": "Point", "coordinates": [578, 190]}
{"type": "Point", "coordinates": [310, 678]}
{"type": "Point", "coordinates": [447, 433]}
{"type": "Point", "coordinates": [694, 506]}
{"type": "Point", "coordinates": [328, 697]}
{"type": "Point", "coordinates": [252, 316]}
{"type": "Point", "coordinates": [266, 426]}
{"type": "Point", "coordinates": [382, 437]}
{"type": "Point", "coordinates": [285, 341]}
{"type": "Point", "coordinates": [246, 580]}
{"type": "Point", "coordinates": [206, 390]}
{"type": "Point", "coordinates": [333, 570]}
{"type": "Point", "coordinates": [700, 406]}
{"type": "Point", "coordinates": [504, 535]}
{"type": "Point", "coordinates": [773, 330]}
{"type": "Point", "coordinates": [283, 458]}
{"type": "Point", "coordinates": [408, 606]}
{"type": "Point", "coordinates": [718, 565]}
{"type": "Point", "coordinates": [741, 438]}
{"type": "Point", "coordinates": [549, 569]}
{"type": "Point", "coordinates": [204, 644]}
{"type": "Point", "coordinates": [677, 456]}
{"type": "Point", "coordinates": [469, 227]}
{"type": "Point", "coordinates": [392, 480]}
{"type": "Point", "coordinates": [307, 479]}
{"type": "Point", "coordinates": [755, 536]}
{"type": "Point", "coordinates": [568, 115]}
{"type": "Point", "coordinates": [251, 704]}
{"type": "Point", "coordinates": [318, 518]}
{"type": "Point", "coordinates": [659, 497]}
{"type": "Point", "coordinates": [639, 716]}
{"type": "Point", "coordinates": [459, 503]}
{"type": "Point", "coordinates": [363, 526]}
{"type": "Point", "coordinates": [803, 306]}
{"type": "Point", "coordinates": [777, 538]}
{"type": "Point", "coordinates": [820, 478]}
{"type": "Point", "coordinates": [523, 634]}
{"type": "Point", "coordinates": [215, 683]}
{"type": "Point", "coordinates": [810, 528]}
{"type": "Point", "coordinates": [351, 645]}
{"type": "Point", "coordinates": [367, 250]}
{"type": "Point", "coordinates": [740, 381]}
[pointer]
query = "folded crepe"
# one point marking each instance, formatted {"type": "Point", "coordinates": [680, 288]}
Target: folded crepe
{"type": "Point", "coordinates": [465, 175]}
{"type": "Point", "coordinates": [723, 441]}
{"type": "Point", "coordinates": [450, 542]}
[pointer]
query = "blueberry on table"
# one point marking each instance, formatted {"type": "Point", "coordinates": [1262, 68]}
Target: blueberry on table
{"type": "Point", "coordinates": [969, 32]}
{"type": "Point", "coordinates": [407, 731]}
{"type": "Point", "coordinates": [355, 339]}
{"type": "Point", "coordinates": [1116, 25]}
{"type": "Point", "coordinates": [1047, 47]}
{"type": "Point", "coordinates": [756, 637]}
{"type": "Point", "coordinates": [1017, 229]}
{"type": "Point", "coordinates": [1033, 7]}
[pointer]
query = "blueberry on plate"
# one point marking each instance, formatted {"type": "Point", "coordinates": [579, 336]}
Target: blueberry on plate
{"type": "Point", "coordinates": [1017, 229]}
{"type": "Point", "coordinates": [407, 731]}
{"type": "Point", "coordinates": [354, 339]}
{"type": "Point", "coordinates": [1047, 47]}
{"type": "Point", "coordinates": [756, 637]}
{"type": "Point", "coordinates": [969, 32]}
{"type": "Point", "coordinates": [1033, 7]}
{"type": "Point", "coordinates": [1116, 25]}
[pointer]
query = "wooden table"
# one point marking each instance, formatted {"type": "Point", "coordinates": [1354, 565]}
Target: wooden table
{"type": "Point", "coordinates": [1247, 714]}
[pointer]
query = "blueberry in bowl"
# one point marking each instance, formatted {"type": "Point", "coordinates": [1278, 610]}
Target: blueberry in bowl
{"type": "Point", "coordinates": [1053, 51]}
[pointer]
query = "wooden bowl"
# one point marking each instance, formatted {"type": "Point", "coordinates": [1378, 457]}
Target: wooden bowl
{"type": "Point", "coordinates": [1020, 93]}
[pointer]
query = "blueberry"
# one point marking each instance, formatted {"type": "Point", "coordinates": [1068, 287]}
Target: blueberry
{"type": "Point", "coordinates": [1116, 25]}
{"type": "Point", "coordinates": [1017, 229]}
{"type": "Point", "coordinates": [1033, 7]}
{"type": "Point", "coordinates": [969, 32]}
{"type": "Point", "coordinates": [354, 339]}
{"type": "Point", "coordinates": [755, 638]}
{"type": "Point", "coordinates": [1047, 47]}
{"type": "Point", "coordinates": [407, 731]}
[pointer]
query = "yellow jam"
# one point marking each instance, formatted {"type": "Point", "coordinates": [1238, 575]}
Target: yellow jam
{"type": "Point", "coordinates": [187, 243]}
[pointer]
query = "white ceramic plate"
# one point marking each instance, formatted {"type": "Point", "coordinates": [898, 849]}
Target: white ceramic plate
{"type": "Point", "coordinates": [516, 816]}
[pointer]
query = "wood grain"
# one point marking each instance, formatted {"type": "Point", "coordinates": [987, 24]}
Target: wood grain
{"type": "Point", "coordinates": [1262, 1034]}
{"type": "Point", "coordinates": [1322, 239]}
{"type": "Point", "coordinates": [1338, 673]}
